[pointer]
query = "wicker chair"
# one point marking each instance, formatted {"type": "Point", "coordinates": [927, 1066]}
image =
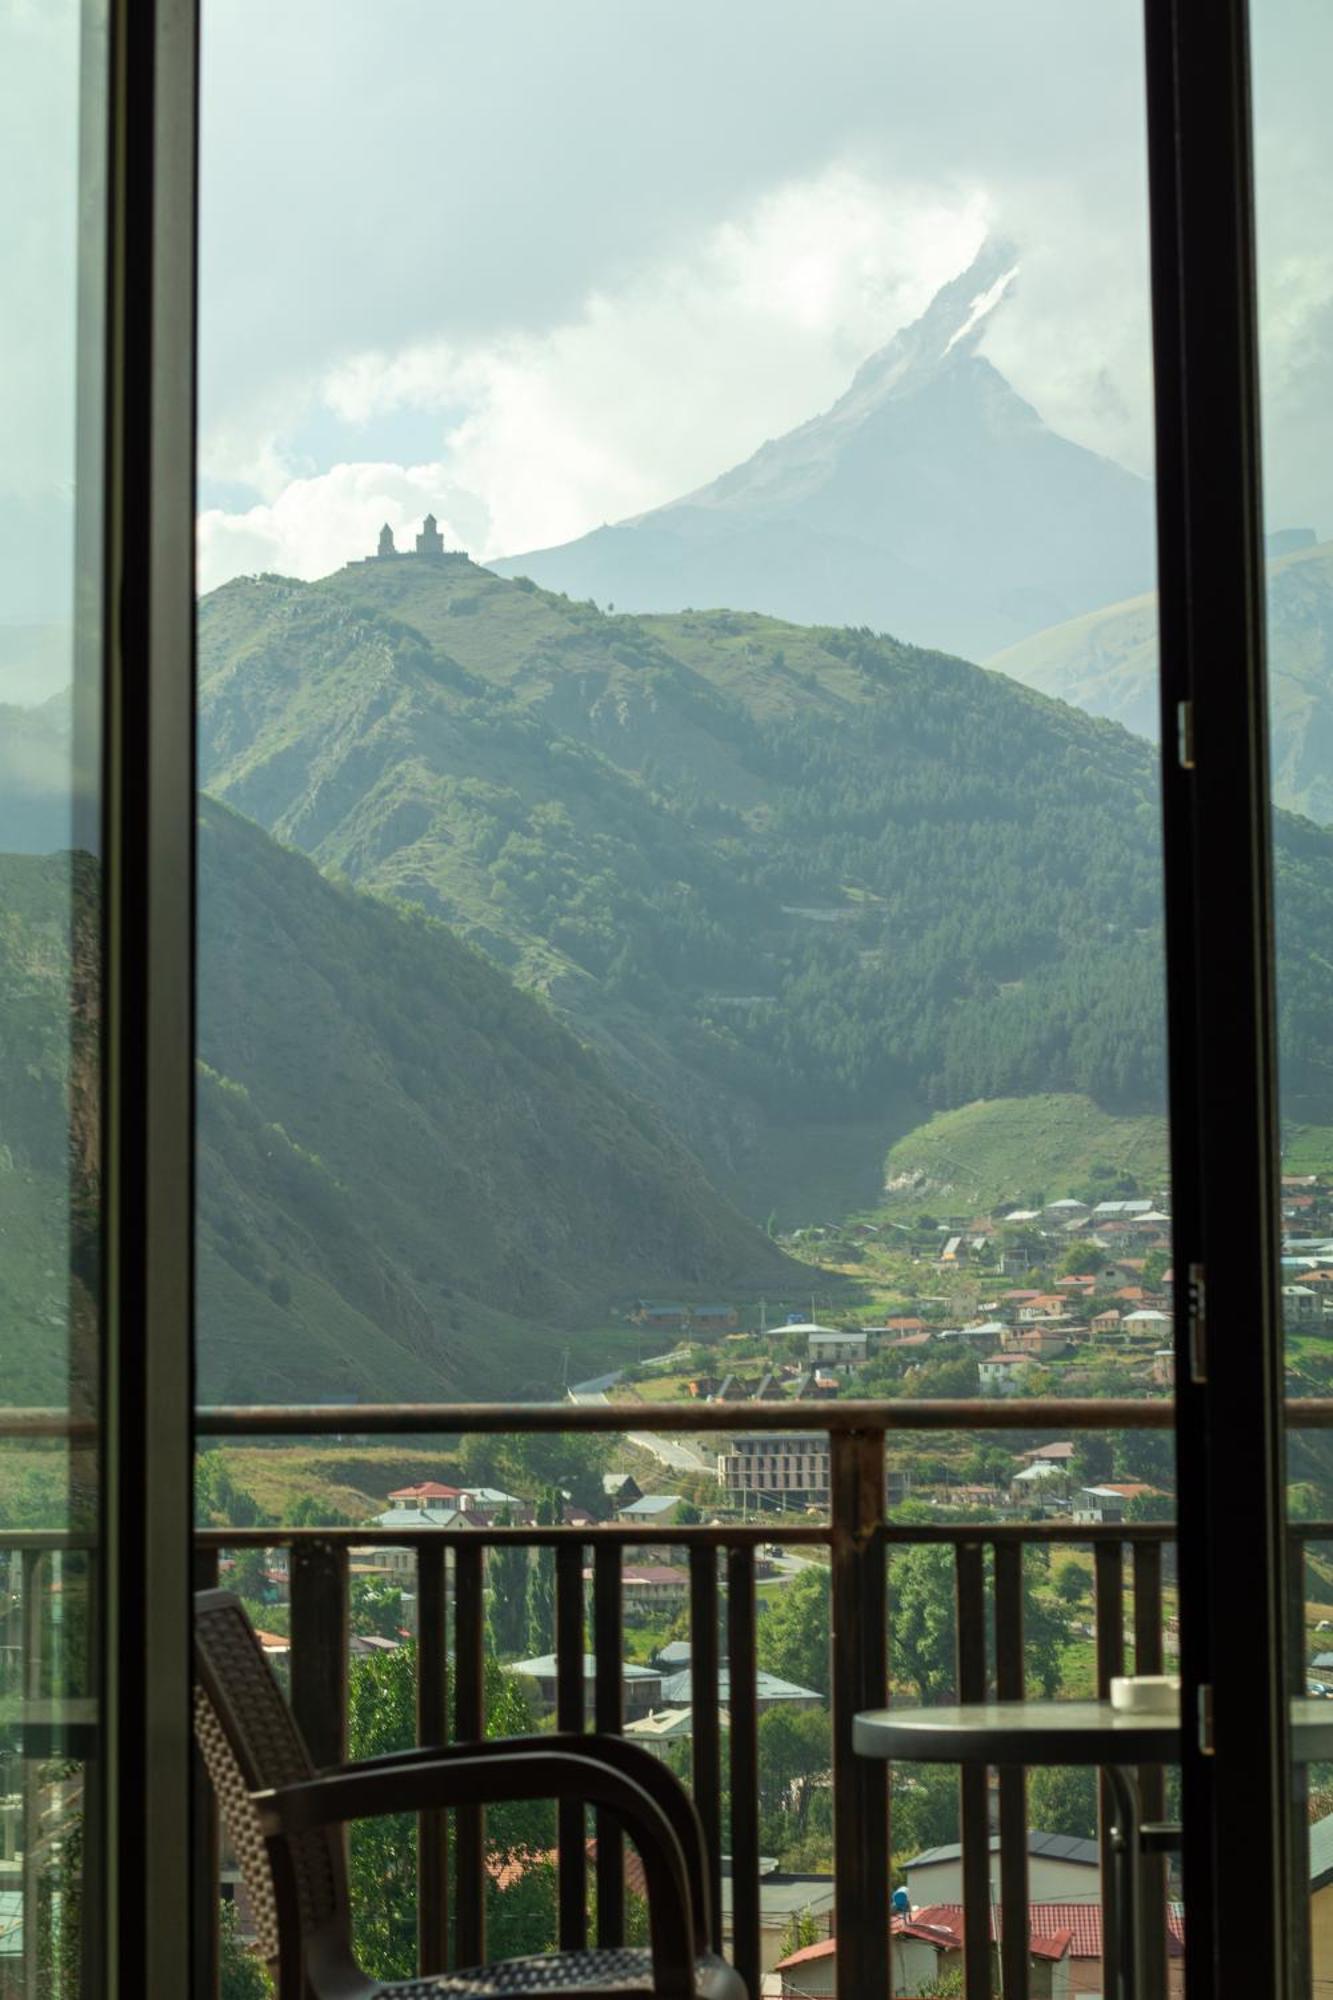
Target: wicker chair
{"type": "Point", "coordinates": [284, 1821]}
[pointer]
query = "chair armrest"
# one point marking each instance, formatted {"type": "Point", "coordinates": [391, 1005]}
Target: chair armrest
{"type": "Point", "coordinates": [478, 1777]}
{"type": "Point", "coordinates": [629, 1758]}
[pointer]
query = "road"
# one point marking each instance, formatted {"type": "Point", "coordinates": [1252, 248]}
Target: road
{"type": "Point", "coordinates": [673, 1452]}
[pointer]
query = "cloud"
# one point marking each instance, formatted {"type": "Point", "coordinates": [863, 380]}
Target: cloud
{"type": "Point", "coordinates": [542, 436]}
{"type": "Point", "coordinates": [316, 524]}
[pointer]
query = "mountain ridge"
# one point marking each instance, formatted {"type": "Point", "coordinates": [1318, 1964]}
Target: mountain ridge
{"type": "Point", "coordinates": [930, 500]}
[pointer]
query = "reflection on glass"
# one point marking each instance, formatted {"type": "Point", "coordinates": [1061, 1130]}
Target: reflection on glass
{"type": "Point", "coordinates": [1293, 53]}
{"type": "Point", "coordinates": [51, 125]}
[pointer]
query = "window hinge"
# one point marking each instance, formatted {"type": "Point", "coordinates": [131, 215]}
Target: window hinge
{"type": "Point", "coordinates": [1185, 734]}
{"type": "Point", "coordinates": [1205, 1720]}
{"type": "Point", "coordinates": [1198, 1324]}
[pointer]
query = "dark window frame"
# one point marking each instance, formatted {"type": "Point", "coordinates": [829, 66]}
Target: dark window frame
{"type": "Point", "coordinates": [1222, 1066]}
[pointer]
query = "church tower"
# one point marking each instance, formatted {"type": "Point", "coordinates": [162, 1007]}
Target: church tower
{"type": "Point", "coordinates": [430, 542]}
{"type": "Point", "coordinates": [386, 547]}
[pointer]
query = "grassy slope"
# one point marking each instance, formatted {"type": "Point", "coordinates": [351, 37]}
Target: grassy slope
{"type": "Point", "coordinates": [1014, 1149]}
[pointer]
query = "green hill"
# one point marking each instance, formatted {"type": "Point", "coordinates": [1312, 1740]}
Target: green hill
{"type": "Point", "coordinates": [782, 877]}
{"type": "Point", "coordinates": [1106, 662]}
{"type": "Point", "coordinates": [1022, 1150]}
{"type": "Point", "coordinates": [413, 1182]}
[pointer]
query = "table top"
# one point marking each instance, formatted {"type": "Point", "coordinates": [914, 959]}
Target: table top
{"type": "Point", "coordinates": [1054, 1732]}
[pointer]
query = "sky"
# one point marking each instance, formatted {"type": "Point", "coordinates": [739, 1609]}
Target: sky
{"type": "Point", "coordinates": [540, 266]}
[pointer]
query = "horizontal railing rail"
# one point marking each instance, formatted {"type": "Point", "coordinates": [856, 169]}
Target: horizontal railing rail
{"type": "Point", "coordinates": [856, 1545]}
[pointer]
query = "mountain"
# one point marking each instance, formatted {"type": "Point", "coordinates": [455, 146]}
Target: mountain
{"type": "Point", "coordinates": [930, 501]}
{"type": "Point", "coordinates": [1106, 662]}
{"type": "Point", "coordinates": [796, 885]}
{"type": "Point", "coordinates": [412, 1179]}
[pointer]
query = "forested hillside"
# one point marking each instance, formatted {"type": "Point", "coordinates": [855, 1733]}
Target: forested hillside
{"type": "Point", "coordinates": [412, 1179]}
{"type": "Point", "coordinates": [784, 877]}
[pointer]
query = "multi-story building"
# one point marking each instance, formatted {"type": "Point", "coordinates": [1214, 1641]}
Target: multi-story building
{"type": "Point", "coordinates": [793, 1466]}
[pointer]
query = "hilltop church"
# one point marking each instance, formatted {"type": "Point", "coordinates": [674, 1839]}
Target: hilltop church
{"type": "Point", "coordinates": [430, 543]}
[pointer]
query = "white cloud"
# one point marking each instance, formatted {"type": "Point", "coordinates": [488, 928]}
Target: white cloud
{"type": "Point", "coordinates": [317, 524]}
{"type": "Point", "coordinates": [649, 390]}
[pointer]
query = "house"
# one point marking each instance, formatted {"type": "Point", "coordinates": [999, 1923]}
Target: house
{"type": "Point", "coordinates": [1164, 1368]}
{"type": "Point", "coordinates": [955, 1250]}
{"type": "Point", "coordinates": [1110, 1502]}
{"type": "Point", "coordinates": [621, 1488]}
{"type": "Point", "coordinates": [794, 1465]}
{"type": "Point", "coordinates": [651, 1587]}
{"type": "Point", "coordinates": [1042, 1305]}
{"type": "Point", "coordinates": [1004, 1374]}
{"type": "Point", "coordinates": [1046, 1338]}
{"type": "Point", "coordinates": [656, 1312]}
{"type": "Point", "coordinates": [782, 1896]}
{"type": "Point", "coordinates": [828, 1349]}
{"type": "Point", "coordinates": [650, 1509]}
{"type": "Point", "coordinates": [925, 1949]}
{"type": "Point", "coordinates": [1061, 1868]}
{"type": "Point", "coordinates": [674, 1656]}
{"type": "Point", "coordinates": [771, 1691]}
{"type": "Point", "coordinates": [708, 1319]}
{"type": "Point", "coordinates": [1105, 1325]}
{"type": "Point", "coordinates": [641, 1686]}
{"type": "Point", "coordinates": [1079, 1925]}
{"type": "Point", "coordinates": [1067, 1209]}
{"type": "Point", "coordinates": [1060, 1453]}
{"type": "Point", "coordinates": [1146, 1323]}
{"type": "Point", "coordinates": [430, 1493]}
{"type": "Point", "coordinates": [1038, 1478]}
{"type": "Point", "coordinates": [1301, 1305]}
{"type": "Point", "coordinates": [660, 1728]}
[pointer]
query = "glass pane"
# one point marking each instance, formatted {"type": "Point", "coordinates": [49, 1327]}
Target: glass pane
{"type": "Point", "coordinates": [1293, 54]}
{"type": "Point", "coordinates": [680, 862]}
{"type": "Point", "coordinates": [52, 91]}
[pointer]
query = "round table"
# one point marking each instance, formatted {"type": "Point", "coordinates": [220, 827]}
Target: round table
{"type": "Point", "coordinates": [1062, 1733]}
{"type": "Point", "coordinates": [1043, 1732]}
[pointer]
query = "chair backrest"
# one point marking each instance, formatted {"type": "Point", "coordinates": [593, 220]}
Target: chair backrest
{"type": "Point", "coordinates": [249, 1741]}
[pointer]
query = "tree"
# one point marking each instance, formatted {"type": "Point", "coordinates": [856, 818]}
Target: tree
{"type": "Point", "coordinates": [925, 1807]}
{"type": "Point", "coordinates": [242, 1974]}
{"type": "Point", "coordinates": [803, 1929]}
{"type": "Point", "coordinates": [541, 1582]}
{"type": "Point", "coordinates": [793, 1637]}
{"type": "Point", "coordinates": [520, 1916]}
{"type": "Point", "coordinates": [923, 1624]}
{"type": "Point", "coordinates": [507, 1613]}
{"type": "Point", "coordinates": [1094, 1459]}
{"type": "Point", "coordinates": [795, 1748]}
{"type": "Point", "coordinates": [376, 1607]}
{"type": "Point", "coordinates": [1072, 1583]}
{"type": "Point", "coordinates": [1063, 1801]}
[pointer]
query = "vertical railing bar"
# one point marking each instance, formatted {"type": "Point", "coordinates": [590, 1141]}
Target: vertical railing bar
{"type": "Point", "coordinates": [206, 1888]}
{"type": "Point", "coordinates": [1010, 1686]}
{"type": "Point", "coordinates": [970, 1589]}
{"type": "Point", "coordinates": [705, 1707]}
{"type": "Point", "coordinates": [571, 1716]}
{"type": "Point", "coordinates": [319, 1648]}
{"type": "Point", "coordinates": [1148, 1659]}
{"type": "Point", "coordinates": [32, 1820]}
{"type": "Point", "coordinates": [859, 1679]}
{"type": "Point", "coordinates": [1109, 1613]}
{"type": "Point", "coordinates": [433, 1730]}
{"type": "Point", "coordinates": [608, 1645]}
{"type": "Point", "coordinates": [469, 1727]}
{"type": "Point", "coordinates": [743, 1710]}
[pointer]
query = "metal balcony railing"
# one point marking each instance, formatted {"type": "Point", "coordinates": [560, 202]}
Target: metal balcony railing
{"type": "Point", "coordinates": [858, 1541]}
